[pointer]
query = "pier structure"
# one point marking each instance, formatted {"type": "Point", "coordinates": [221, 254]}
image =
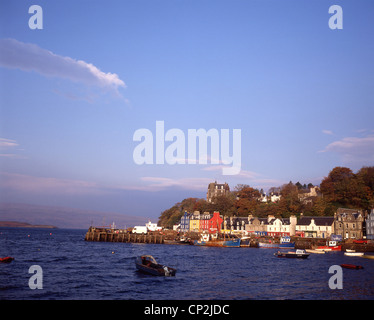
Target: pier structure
{"type": "Point", "coordinates": [119, 235]}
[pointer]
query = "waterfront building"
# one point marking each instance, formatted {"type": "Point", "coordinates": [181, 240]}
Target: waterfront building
{"type": "Point", "coordinates": [185, 222]}
{"type": "Point", "coordinates": [257, 226]}
{"type": "Point", "coordinates": [215, 223]}
{"type": "Point", "coordinates": [195, 222]}
{"type": "Point", "coordinates": [349, 223]}
{"type": "Point", "coordinates": [370, 225]}
{"type": "Point", "coordinates": [315, 227]}
{"type": "Point", "coordinates": [215, 190]}
{"type": "Point", "coordinates": [235, 224]}
{"type": "Point", "coordinates": [204, 221]}
{"type": "Point", "coordinates": [278, 227]}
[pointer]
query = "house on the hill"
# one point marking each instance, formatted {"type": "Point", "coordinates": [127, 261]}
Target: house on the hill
{"type": "Point", "coordinates": [216, 189]}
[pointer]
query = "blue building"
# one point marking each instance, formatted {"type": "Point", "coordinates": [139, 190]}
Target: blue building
{"type": "Point", "coordinates": [185, 222]}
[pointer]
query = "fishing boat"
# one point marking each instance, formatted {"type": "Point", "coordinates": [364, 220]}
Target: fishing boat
{"type": "Point", "coordinates": [285, 243]}
{"type": "Point", "coordinates": [330, 246]}
{"type": "Point", "coordinates": [301, 254]}
{"type": "Point", "coordinates": [148, 264]}
{"type": "Point", "coordinates": [351, 266]}
{"type": "Point", "coordinates": [6, 260]}
{"type": "Point", "coordinates": [212, 240]}
{"type": "Point", "coordinates": [245, 241]}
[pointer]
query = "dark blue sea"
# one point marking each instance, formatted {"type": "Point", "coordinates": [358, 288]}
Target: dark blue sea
{"type": "Point", "coordinates": [75, 269]}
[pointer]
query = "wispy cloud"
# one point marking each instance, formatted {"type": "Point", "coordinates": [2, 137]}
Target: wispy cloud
{"type": "Point", "coordinates": [8, 147]}
{"type": "Point", "coordinates": [30, 57]}
{"type": "Point", "coordinates": [7, 143]}
{"type": "Point", "coordinates": [354, 149]}
{"type": "Point", "coordinates": [47, 185]}
{"type": "Point", "coordinates": [329, 132]}
{"type": "Point", "coordinates": [161, 183]}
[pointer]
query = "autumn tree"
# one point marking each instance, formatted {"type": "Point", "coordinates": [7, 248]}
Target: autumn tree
{"type": "Point", "coordinates": [289, 202]}
{"type": "Point", "coordinates": [247, 201]}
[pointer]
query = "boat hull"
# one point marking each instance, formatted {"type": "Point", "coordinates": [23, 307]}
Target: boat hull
{"type": "Point", "coordinates": [353, 254]}
{"type": "Point", "coordinates": [327, 248]}
{"type": "Point", "coordinates": [367, 256]}
{"type": "Point", "coordinates": [351, 266]}
{"type": "Point", "coordinates": [291, 255]}
{"type": "Point", "coordinates": [235, 243]}
{"type": "Point", "coordinates": [155, 269]}
{"type": "Point", "coordinates": [6, 260]}
{"type": "Point", "coordinates": [290, 245]}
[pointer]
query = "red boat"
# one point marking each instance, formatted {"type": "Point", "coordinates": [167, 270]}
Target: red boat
{"type": "Point", "coordinates": [6, 260]}
{"type": "Point", "coordinates": [351, 266]}
{"type": "Point", "coordinates": [330, 246]}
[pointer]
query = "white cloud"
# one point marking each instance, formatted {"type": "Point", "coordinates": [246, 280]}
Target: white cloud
{"type": "Point", "coordinates": [353, 149]}
{"type": "Point", "coordinates": [30, 57]}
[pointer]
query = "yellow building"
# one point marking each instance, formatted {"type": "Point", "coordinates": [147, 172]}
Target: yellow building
{"type": "Point", "coordinates": [195, 222]}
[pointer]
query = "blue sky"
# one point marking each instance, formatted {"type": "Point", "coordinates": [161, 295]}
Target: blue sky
{"type": "Point", "coordinates": [73, 94]}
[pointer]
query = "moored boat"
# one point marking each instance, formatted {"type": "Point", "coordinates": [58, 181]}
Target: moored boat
{"type": "Point", "coordinates": [285, 243]}
{"type": "Point", "coordinates": [352, 253]}
{"type": "Point", "coordinates": [330, 246]}
{"type": "Point", "coordinates": [245, 241]}
{"type": "Point", "coordinates": [368, 256]}
{"type": "Point", "coordinates": [218, 243]}
{"type": "Point", "coordinates": [210, 240]}
{"type": "Point", "coordinates": [351, 266]}
{"type": "Point", "coordinates": [315, 251]}
{"type": "Point", "coordinates": [301, 254]}
{"type": "Point", "coordinates": [6, 259]}
{"type": "Point", "coordinates": [148, 264]}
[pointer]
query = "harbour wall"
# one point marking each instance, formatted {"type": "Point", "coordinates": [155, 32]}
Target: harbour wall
{"type": "Point", "coordinates": [104, 235]}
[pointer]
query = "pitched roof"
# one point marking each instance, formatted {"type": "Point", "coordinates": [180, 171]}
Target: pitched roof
{"type": "Point", "coordinates": [319, 221]}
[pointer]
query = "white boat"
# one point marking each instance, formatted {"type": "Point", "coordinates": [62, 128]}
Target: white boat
{"type": "Point", "coordinates": [315, 251]}
{"type": "Point", "coordinates": [354, 254]}
{"type": "Point", "coordinates": [350, 250]}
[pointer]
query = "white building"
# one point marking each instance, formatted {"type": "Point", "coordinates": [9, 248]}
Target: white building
{"type": "Point", "coordinates": [281, 226]}
{"type": "Point", "coordinates": [370, 225]}
{"type": "Point", "coordinates": [315, 227]}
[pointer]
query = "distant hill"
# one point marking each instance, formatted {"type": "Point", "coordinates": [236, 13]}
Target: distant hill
{"type": "Point", "coordinates": [16, 224]}
{"type": "Point", "coordinates": [63, 217]}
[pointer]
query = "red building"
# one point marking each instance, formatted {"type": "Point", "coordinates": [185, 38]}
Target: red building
{"type": "Point", "coordinates": [215, 223]}
{"type": "Point", "coordinates": [204, 221]}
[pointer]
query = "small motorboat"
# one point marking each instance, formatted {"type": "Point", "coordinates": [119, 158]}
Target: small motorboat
{"type": "Point", "coordinates": [6, 260]}
{"type": "Point", "coordinates": [353, 254]}
{"type": "Point", "coordinates": [148, 264]}
{"type": "Point", "coordinates": [301, 254]}
{"type": "Point", "coordinates": [351, 266]}
{"type": "Point", "coordinates": [315, 251]}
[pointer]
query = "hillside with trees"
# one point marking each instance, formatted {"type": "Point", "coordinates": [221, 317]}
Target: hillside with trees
{"type": "Point", "coordinates": [341, 188]}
